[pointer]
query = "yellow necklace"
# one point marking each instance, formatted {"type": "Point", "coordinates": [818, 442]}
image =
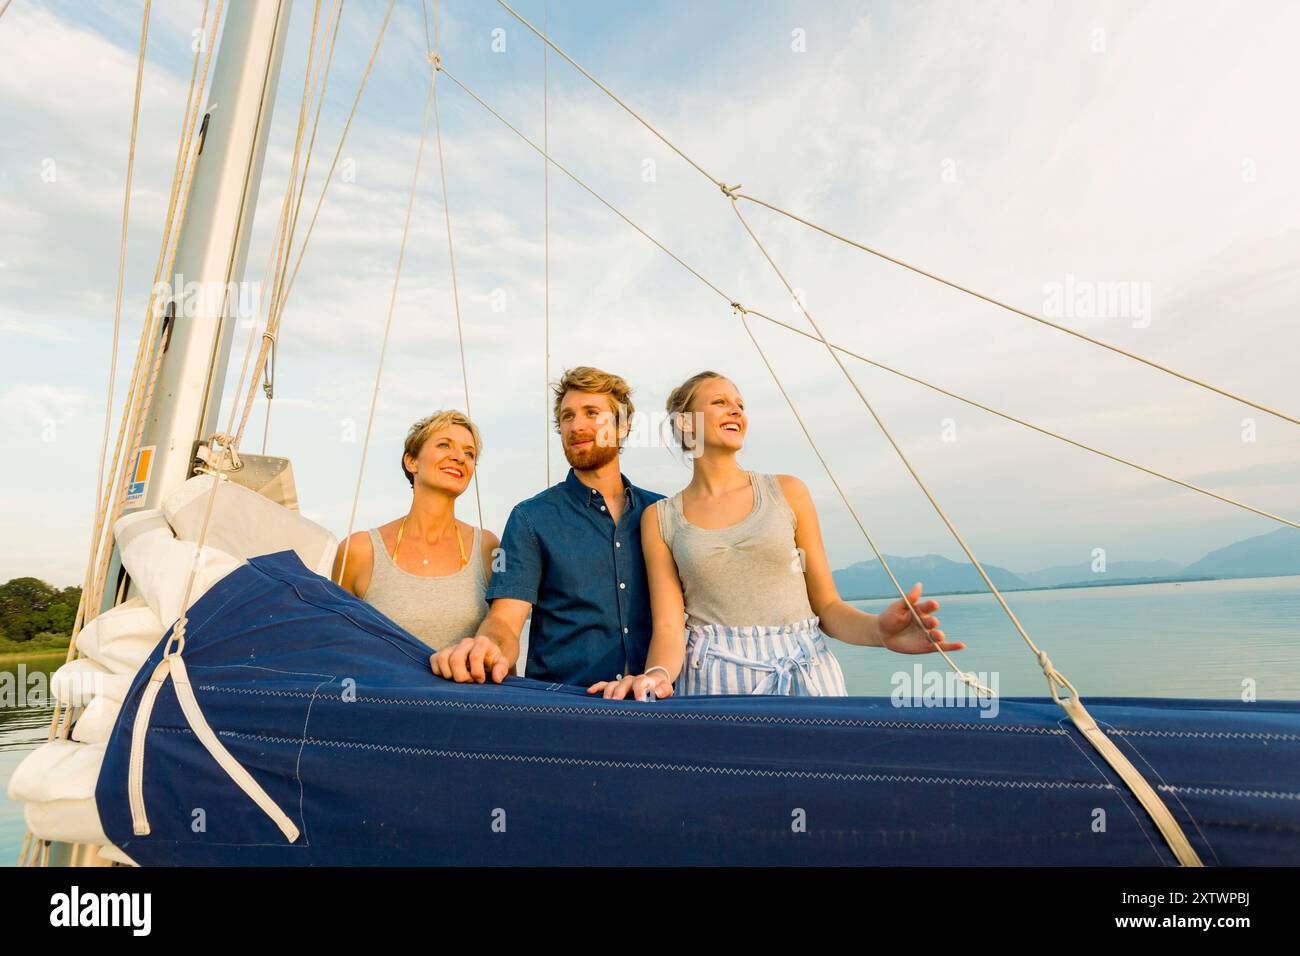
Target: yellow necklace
{"type": "Point", "coordinates": [459, 543]}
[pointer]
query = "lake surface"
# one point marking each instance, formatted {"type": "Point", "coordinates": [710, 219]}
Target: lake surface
{"type": "Point", "coordinates": [1190, 639]}
{"type": "Point", "coordinates": [1196, 639]}
{"type": "Point", "coordinates": [22, 729]}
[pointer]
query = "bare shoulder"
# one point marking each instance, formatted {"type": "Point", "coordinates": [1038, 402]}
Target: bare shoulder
{"type": "Point", "coordinates": [359, 545]}
{"type": "Point", "coordinates": [650, 515]}
{"type": "Point", "coordinates": [794, 489]}
{"type": "Point", "coordinates": [651, 535]}
{"type": "Point", "coordinates": [491, 543]}
{"type": "Point", "coordinates": [360, 556]}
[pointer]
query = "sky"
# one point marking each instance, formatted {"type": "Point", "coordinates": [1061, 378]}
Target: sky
{"type": "Point", "coordinates": [1038, 152]}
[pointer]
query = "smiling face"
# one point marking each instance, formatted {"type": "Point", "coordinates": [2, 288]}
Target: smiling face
{"type": "Point", "coordinates": [718, 412]}
{"type": "Point", "coordinates": [589, 430]}
{"type": "Point", "coordinates": [446, 461]}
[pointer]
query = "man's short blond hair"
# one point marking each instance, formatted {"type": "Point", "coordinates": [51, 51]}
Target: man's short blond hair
{"type": "Point", "coordinates": [584, 378]}
{"type": "Point", "coordinates": [419, 433]}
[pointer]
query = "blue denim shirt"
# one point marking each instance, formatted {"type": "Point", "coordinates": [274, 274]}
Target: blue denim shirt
{"type": "Point", "coordinates": [585, 578]}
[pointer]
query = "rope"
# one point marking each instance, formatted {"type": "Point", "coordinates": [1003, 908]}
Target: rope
{"type": "Point", "coordinates": [608, 92]}
{"type": "Point", "coordinates": [451, 252]}
{"type": "Point", "coordinates": [97, 513]}
{"type": "Point", "coordinates": [730, 300]}
{"type": "Point", "coordinates": [965, 678]}
{"type": "Point", "coordinates": [182, 181]}
{"type": "Point", "coordinates": [968, 679]}
{"type": "Point", "coordinates": [93, 583]}
{"type": "Point", "coordinates": [388, 326]}
{"type": "Point", "coordinates": [1051, 674]}
{"type": "Point", "coordinates": [279, 248]}
{"type": "Point", "coordinates": [1038, 428]}
{"type": "Point", "coordinates": [90, 593]}
{"type": "Point", "coordinates": [223, 456]}
{"type": "Point", "coordinates": [279, 297]}
{"type": "Point", "coordinates": [1028, 315]}
{"type": "Point", "coordinates": [578, 181]}
{"type": "Point", "coordinates": [1073, 705]}
{"type": "Point", "coordinates": [274, 325]}
{"type": "Point", "coordinates": [546, 241]}
{"type": "Point", "coordinates": [732, 193]}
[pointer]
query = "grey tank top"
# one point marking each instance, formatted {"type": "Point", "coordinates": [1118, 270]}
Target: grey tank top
{"type": "Point", "coordinates": [438, 610]}
{"type": "Point", "coordinates": [748, 573]}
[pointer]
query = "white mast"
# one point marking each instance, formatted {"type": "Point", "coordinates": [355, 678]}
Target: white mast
{"type": "Point", "coordinates": [213, 244]}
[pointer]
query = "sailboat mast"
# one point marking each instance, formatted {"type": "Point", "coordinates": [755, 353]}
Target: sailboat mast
{"type": "Point", "coordinates": [208, 291]}
{"type": "Point", "coordinates": [208, 286]}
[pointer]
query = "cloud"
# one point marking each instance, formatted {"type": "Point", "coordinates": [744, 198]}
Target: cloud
{"type": "Point", "coordinates": [44, 403]}
{"type": "Point", "coordinates": [995, 145]}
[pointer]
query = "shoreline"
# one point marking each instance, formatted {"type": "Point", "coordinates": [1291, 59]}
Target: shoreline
{"type": "Point", "coordinates": [1118, 583]}
{"type": "Point", "coordinates": [6, 656]}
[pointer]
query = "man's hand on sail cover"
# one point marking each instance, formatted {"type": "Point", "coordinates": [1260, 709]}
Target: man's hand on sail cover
{"type": "Point", "coordinates": [900, 633]}
{"type": "Point", "coordinates": [473, 659]}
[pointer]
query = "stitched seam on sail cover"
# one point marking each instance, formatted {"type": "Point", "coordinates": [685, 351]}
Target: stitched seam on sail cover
{"type": "Point", "coordinates": [654, 765]}
{"type": "Point", "coordinates": [659, 715]}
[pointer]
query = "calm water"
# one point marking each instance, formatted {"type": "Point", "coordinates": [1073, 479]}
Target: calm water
{"type": "Point", "coordinates": [21, 730]}
{"type": "Point", "coordinates": [1199, 639]}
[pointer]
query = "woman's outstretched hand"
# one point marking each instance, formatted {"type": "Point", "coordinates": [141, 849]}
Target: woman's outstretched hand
{"type": "Point", "coordinates": [636, 686]}
{"type": "Point", "coordinates": [900, 633]}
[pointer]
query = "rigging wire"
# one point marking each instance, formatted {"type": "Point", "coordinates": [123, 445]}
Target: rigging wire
{"type": "Point", "coordinates": [732, 193]}
{"type": "Point", "coordinates": [1022, 312]}
{"type": "Point", "coordinates": [839, 348]}
{"type": "Point", "coordinates": [1073, 705]}
{"type": "Point", "coordinates": [279, 253]}
{"type": "Point", "coordinates": [273, 325]}
{"type": "Point", "coordinates": [435, 60]}
{"type": "Point", "coordinates": [136, 400]}
{"type": "Point", "coordinates": [388, 327]}
{"type": "Point", "coordinates": [546, 239]}
{"type": "Point", "coordinates": [1052, 675]}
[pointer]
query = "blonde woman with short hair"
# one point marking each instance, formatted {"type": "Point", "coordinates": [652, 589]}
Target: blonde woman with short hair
{"type": "Point", "coordinates": [427, 570]}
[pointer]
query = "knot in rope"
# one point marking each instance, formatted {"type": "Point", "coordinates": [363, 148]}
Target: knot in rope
{"type": "Point", "coordinates": [435, 59]}
{"type": "Point", "coordinates": [176, 643]}
{"type": "Point", "coordinates": [739, 308]}
{"type": "Point", "coordinates": [729, 191]}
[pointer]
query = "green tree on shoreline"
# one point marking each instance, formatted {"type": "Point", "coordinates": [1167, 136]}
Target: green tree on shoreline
{"type": "Point", "coordinates": [29, 607]}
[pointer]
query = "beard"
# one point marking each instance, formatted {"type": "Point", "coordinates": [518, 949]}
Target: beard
{"type": "Point", "coordinates": [594, 456]}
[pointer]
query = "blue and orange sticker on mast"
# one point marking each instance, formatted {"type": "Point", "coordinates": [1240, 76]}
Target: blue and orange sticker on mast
{"type": "Point", "coordinates": [139, 482]}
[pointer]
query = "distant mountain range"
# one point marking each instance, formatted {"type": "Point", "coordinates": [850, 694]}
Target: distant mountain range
{"type": "Point", "coordinates": [1264, 555]}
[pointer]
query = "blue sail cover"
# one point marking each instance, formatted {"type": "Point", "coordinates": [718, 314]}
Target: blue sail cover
{"type": "Point", "coordinates": [333, 709]}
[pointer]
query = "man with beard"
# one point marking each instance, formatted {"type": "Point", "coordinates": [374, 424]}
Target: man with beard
{"type": "Point", "coordinates": [572, 556]}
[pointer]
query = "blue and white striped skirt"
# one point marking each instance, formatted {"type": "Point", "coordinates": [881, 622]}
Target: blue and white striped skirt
{"type": "Point", "coordinates": [792, 660]}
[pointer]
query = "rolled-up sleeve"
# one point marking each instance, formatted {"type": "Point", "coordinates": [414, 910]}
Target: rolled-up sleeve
{"type": "Point", "coordinates": [518, 572]}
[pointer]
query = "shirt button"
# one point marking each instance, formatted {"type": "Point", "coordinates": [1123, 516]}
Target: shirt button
{"type": "Point", "coordinates": [618, 544]}
{"type": "Point", "coordinates": [624, 630]}
{"type": "Point", "coordinates": [621, 584]}
{"type": "Point", "coordinates": [602, 507]}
